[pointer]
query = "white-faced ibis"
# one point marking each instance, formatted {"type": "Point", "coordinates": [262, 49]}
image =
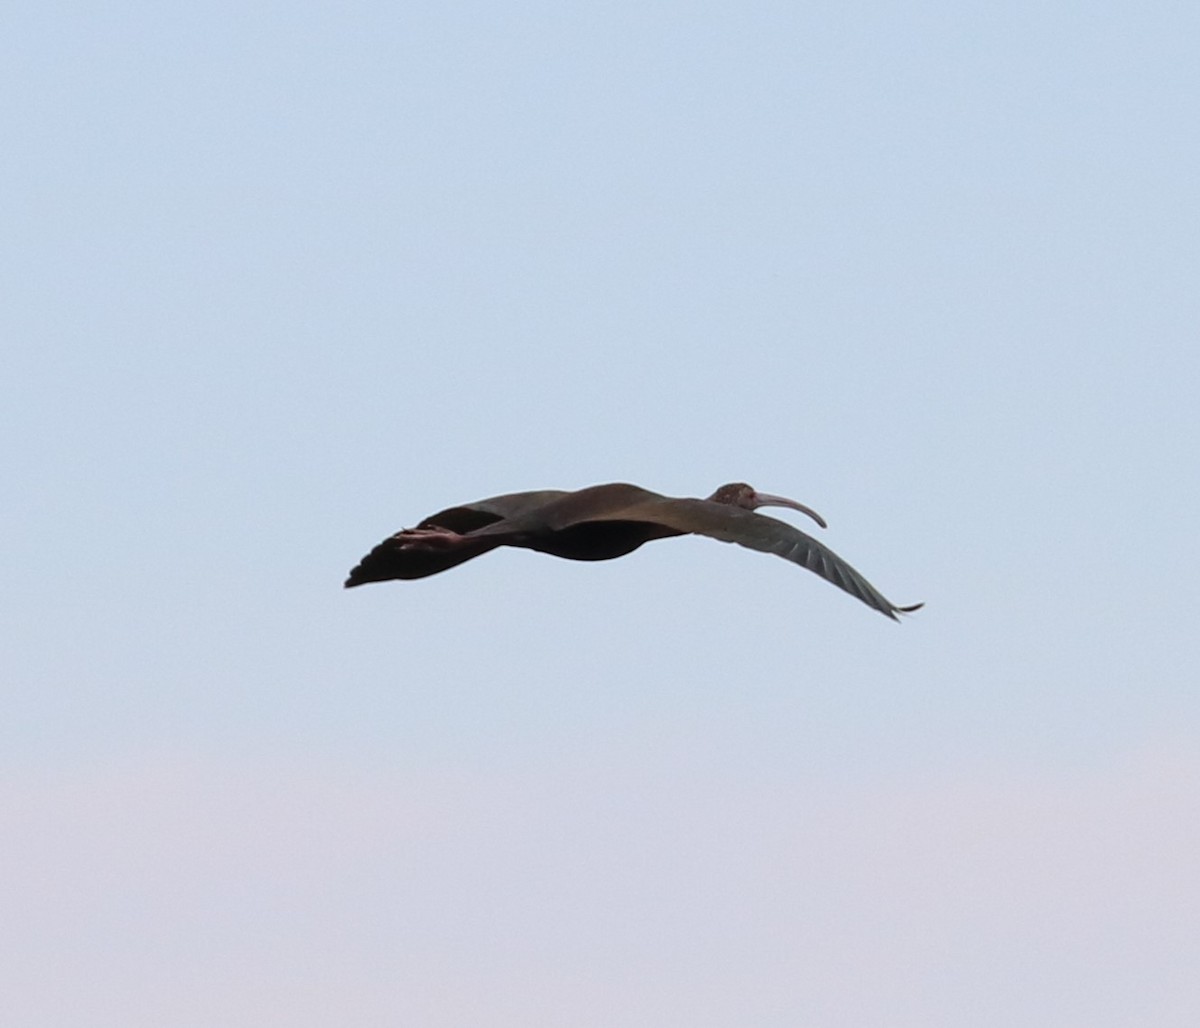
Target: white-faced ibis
{"type": "Point", "coordinates": [606, 521]}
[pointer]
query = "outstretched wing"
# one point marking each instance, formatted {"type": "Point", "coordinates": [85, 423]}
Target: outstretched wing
{"type": "Point", "coordinates": [756, 531]}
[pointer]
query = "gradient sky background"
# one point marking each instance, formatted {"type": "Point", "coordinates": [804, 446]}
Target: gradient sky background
{"type": "Point", "coordinates": [282, 278]}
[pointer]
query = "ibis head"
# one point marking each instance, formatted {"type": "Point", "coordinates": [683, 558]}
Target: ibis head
{"type": "Point", "coordinates": [739, 494]}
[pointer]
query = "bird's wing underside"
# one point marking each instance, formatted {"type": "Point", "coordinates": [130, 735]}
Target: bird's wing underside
{"type": "Point", "coordinates": [767, 535]}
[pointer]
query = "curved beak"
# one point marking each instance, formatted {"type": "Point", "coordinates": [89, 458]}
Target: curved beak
{"type": "Point", "coordinates": [767, 500]}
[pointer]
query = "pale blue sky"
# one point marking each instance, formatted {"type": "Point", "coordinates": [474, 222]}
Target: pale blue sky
{"type": "Point", "coordinates": [280, 281]}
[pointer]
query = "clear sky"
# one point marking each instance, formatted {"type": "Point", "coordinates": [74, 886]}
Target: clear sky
{"type": "Point", "coordinates": [280, 279]}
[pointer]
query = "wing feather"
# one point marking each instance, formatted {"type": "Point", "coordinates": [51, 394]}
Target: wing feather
{"type": "Point", "coordinates": [755, 531]}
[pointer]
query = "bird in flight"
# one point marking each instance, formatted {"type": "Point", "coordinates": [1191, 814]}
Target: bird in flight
{"type": "Point", "coordinates": [606, 521]}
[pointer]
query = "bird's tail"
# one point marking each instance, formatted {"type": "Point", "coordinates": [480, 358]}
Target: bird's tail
{"type": "Point", "coordinates": [391, 560]}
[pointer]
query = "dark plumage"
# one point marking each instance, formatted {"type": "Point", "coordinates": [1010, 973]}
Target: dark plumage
{"type": "Point", "coordinates": [606, 521]}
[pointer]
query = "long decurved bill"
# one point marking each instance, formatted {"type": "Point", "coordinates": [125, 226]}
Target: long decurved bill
{"type": "Point", "coordinates": [767, 500]}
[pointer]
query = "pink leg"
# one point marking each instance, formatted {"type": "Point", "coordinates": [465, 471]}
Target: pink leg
{"type": "Point", "coordinates": [429, 538]}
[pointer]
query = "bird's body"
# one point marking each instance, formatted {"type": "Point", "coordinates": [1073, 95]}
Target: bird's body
{"type": "Point", "coordinates": [602, 522]}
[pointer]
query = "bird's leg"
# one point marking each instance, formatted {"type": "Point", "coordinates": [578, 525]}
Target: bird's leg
{"type": "Point", "coordinates": [432, 538]}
